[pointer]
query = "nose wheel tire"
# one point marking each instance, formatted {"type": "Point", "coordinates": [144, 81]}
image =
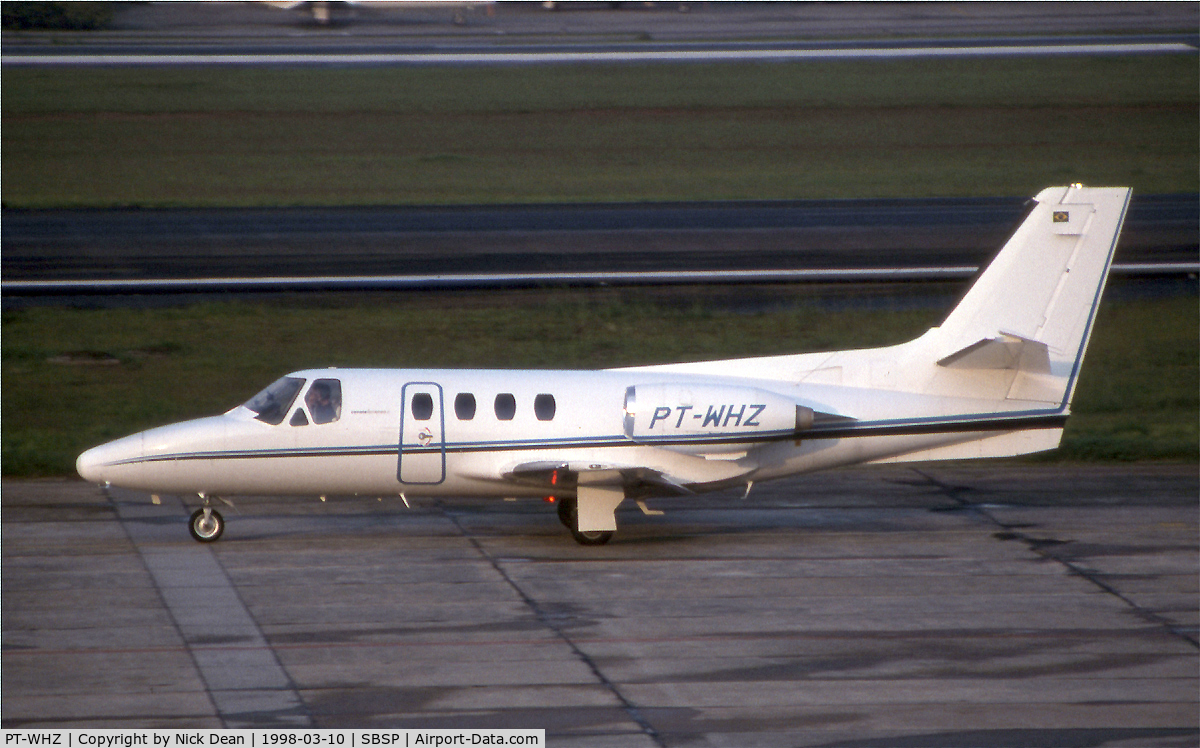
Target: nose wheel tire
{"type": "Point", "coordinates": [568, 514]}
{"type": "Point", "coordinates": [206, 525]}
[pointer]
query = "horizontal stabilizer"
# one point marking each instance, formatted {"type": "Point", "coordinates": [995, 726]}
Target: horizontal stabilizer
{"type": "Point", "coordinates": [1003, 352]}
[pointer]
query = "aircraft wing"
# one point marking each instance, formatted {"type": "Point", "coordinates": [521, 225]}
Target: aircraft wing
{"type": "Point", "coordinates": [636, 480]}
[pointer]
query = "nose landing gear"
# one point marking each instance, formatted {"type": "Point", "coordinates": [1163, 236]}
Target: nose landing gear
{"type": "Point", "coordinates": [206, 524]}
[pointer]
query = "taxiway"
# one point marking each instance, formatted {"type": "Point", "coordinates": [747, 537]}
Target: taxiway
{"type": "Point", "coordinates": [935, 606]}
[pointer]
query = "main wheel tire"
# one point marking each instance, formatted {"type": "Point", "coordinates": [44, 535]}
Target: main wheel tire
{"type": "Point", "coordinates": [598, 537]}
{"type": "Point", "coordinates": [568, 514]}
{"type": "Point", "coordinates": [206, 525]}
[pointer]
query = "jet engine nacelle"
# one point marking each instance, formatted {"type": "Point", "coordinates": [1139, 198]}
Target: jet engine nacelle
{"type": "Point", "coordinates": [709, 418]}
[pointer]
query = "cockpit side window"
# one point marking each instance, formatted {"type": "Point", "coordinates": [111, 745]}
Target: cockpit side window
{"type": "Point", "coordinates": [324, 400]}
{"type": "Point", "coordinates": [271, 405]}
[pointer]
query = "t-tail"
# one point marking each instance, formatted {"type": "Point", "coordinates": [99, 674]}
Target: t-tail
{"type": "Point", "coordinates": [1032, 310]}
{"type": "Point", "coordinates": [1018, 337]}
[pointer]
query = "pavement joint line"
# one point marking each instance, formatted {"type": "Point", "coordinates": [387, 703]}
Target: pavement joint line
{"type": "Point", "coordinates": [1039, 546]}
{"type": "Point", "coordinates": [550, 621]}
{"type": "Point", "coordinates": [232, 676]}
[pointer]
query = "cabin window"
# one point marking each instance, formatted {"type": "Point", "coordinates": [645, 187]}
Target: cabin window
{"type": "Point", "coordinates": [506, 406]}
{"type": "Point", "coordinates": [272, 404]}
{"type": "Point", "coordinates": [464, 406]}
{"type": "Point", "coordinates": [324, 400]}
{"type": "Point", "coordinates": [543, 407]}
{"type": "Point", "coordinates": [298, 418]}
{"type": "Point", "coordinates": [422, 406]}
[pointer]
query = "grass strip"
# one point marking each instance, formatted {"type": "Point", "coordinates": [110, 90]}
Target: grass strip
{"type": "Point", "coordinates": [77, 377]}
{"type": "Point", "coordinates": [102, 137]}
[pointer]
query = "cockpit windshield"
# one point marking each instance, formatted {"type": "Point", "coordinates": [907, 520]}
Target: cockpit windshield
{"type": "Point", "coordinates": [271, 405]}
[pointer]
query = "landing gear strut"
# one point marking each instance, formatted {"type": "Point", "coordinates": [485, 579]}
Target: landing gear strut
{"type": "Point", "coordinates": [568, 514]}
{"type": "Point", "coordinates": [206, 524]}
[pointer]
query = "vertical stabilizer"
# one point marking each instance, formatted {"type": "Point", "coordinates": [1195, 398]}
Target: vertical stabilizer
{"type": "Point", "coordinates": [1033, 308]}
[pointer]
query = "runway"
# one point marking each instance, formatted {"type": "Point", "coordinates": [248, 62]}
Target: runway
{"type": "Point", "coordinates": [463, 34]}
{"type": "Point", "coordinates": [487, 33]}
{"type": "Point", "coordinates": [928, 607]}
{"type": "Point", "coordinates": [115, 251]}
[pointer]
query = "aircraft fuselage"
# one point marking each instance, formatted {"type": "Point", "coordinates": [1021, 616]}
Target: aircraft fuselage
{"type": "Point", "coordinates": [503, 433]}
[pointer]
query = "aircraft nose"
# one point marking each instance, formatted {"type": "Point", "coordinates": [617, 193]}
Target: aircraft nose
{"type": "Point", "coordinates": [96, 465]}
{"type": "Point", "coordinates": [90, 465]}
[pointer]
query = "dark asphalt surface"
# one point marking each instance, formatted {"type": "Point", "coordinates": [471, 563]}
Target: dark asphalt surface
{"type": "Point", "coordinates": [231, 24]}
{"type": "Point", "coordinates": [128, 244]}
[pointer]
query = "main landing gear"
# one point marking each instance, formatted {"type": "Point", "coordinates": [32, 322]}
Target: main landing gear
{"type": "Point", "coordinates": [568, 514]}
{"type": "Point", "coordinates": [206, 524]}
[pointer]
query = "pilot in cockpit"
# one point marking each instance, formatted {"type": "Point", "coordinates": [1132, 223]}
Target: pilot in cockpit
{"type": "Point", "coordinates": [323, 402]}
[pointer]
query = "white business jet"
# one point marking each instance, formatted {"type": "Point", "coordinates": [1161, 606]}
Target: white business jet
{"type": "Point", "coordinates": [994, 379]}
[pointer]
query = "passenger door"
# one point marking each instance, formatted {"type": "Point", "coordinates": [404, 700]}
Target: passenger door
{"type": "Point", "coordinates": [422, 459]}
